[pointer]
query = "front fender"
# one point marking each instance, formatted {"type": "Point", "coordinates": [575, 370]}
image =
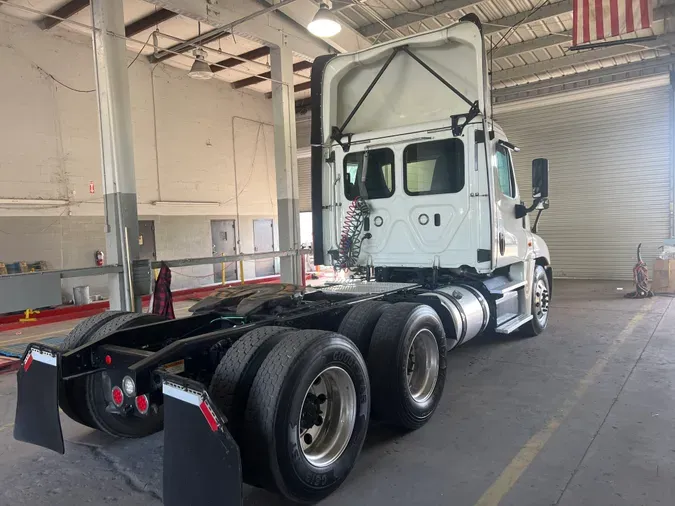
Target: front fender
{"type": "Point", "coordinates": [540, 249]}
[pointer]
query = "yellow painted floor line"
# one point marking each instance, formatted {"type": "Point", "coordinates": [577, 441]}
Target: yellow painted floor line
{"type": "Point", "coordinates": [510, 475]}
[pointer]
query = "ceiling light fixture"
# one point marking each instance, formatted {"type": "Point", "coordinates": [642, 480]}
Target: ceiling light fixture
{"type": "Point", "coordinates": [200, 69]}
{"type": "Point", "coordinates": [324, 24]}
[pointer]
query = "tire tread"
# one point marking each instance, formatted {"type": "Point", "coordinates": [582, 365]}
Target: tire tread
{"type": "Point", "coordinates": [387, 404]}
{"type": "Point", "coordinates": [230, 369]}
{"type": "Point", "coordinates": [264, 398]}
{"type": "Point", "coordinates": [359, 323]}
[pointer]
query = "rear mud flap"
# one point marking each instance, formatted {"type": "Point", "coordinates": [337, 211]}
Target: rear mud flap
{"type": "Point", "coordinates": [201, 460]}
{"type": "Point", "coordinates": [37, 407]}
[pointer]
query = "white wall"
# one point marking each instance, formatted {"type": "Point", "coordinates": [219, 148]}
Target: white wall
{"type": "Point", "coordinates": [189, 137]}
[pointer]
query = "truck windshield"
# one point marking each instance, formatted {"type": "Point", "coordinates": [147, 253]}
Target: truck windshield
{"type": "Point", "coordinates": [434, 167]}
{"type": "Point", "coordinates": [369, 174]}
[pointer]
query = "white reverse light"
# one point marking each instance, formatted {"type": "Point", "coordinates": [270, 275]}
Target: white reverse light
{"type": "Point", "coordinates": [129, 386]}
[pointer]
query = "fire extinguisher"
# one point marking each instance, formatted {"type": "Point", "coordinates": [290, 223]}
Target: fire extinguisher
{"type": "Point", "coordinates": [99, 257]}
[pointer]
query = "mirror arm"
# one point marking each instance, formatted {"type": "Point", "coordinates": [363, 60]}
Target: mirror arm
{"type": "Point", "coordinates": [536, 221]}
{"type": "Point", "coordinates": [521, 210]}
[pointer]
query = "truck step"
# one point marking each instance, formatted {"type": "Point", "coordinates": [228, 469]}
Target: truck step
{"type": "Point", "coordinates": [513, 285]}
{"type": "Point", "coordinates": [514, 324]}
{"type": "Point", "coordinates": [508, 297]}
{"type": "Point", "coordinates": [505, 318]}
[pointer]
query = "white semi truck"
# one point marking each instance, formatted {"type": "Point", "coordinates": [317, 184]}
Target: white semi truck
{"type": "Point", "coordinates": [414, 193]}
{"type": "Point", "coordinates": [408, 187]}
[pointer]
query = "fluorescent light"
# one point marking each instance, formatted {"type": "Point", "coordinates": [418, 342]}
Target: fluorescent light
{"type": "Point", "coordinates": [34, 202]}
{"type": "Point", "coordinates": [177, 203]}
{"type": "Point", "coordinates": [200, 69]}
{"type": "Point", "coordinates": [324, 24]}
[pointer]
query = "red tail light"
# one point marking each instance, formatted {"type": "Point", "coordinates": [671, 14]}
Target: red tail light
{"type": "Point", "coordinates": [117, 396]}
{"type": "Point", "coordinates": [142, 404]}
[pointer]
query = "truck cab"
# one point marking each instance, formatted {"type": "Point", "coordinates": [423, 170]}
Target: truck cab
{"type": "Point", "coordinates": [413, 180]}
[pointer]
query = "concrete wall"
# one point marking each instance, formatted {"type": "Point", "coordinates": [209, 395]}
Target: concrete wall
{"type": "Point", "coordinates": [69, 242]}
{"type": "Point", "coordinates": [194, 141]}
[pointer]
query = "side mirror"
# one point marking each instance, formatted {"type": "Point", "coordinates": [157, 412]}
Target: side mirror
{"type": "Point", "coordinates": [540, 178]}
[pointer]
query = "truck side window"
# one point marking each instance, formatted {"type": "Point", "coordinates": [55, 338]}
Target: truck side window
{"type": "Point", "coordinates": [434, 167]}
{"type": "Point", "coordinates": [505, 172]}
{"type": "Point", "coordinates": [379, 174]}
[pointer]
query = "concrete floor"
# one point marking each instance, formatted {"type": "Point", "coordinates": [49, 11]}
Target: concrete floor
{"type": "Point", "coordinates": [581, 415]}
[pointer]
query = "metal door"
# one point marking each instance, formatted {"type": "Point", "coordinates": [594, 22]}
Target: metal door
{"type": "Point", "coordinates": [223, 242]}
{"type": "Point", "coordinates": [146, 240]}
{"type": "Point", "coordinates": [511, 235]}
{"type": "Point", "coordinates": [263, 240]}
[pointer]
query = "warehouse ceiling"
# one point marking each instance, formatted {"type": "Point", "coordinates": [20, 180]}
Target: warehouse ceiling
{"type": "Point", "coordinates": [529, 40]}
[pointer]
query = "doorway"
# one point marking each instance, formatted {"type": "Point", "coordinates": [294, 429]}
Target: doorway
{"type": "Point", "coordinates": [146, 240]}
{"type": "Point", "coordinates": [223, 242]}
{"type": "Point", "coordinates": [263, 241]}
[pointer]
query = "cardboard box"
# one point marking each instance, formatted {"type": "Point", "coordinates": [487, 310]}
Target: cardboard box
{"type": "Point", "coordinates": [663, 278]}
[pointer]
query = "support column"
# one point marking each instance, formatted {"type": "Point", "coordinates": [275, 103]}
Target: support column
{"type": "Point", "coordinates": [117, 153]}
{"type": "Point", "coordinates": [671, 126]}
{"type": "Point", "coordinates": [286, 160]}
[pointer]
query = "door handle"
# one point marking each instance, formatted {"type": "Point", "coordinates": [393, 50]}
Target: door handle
{"type": "Point", "coordinates": [502, 243]}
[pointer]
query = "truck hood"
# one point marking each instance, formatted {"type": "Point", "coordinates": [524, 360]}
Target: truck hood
{"type": "Point", "coordinates": [407, 93]}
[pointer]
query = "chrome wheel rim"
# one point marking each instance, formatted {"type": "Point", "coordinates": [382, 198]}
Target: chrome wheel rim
{"type": "Point", "coordinates": [327, 417]}
{"type": "Point", "coordinates": [541, 302]}
{"type": "Point", "coordinates": [423, 365]}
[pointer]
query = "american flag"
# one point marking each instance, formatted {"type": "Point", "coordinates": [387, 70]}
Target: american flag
{"type": "Point", "coordinates": [599, 19]}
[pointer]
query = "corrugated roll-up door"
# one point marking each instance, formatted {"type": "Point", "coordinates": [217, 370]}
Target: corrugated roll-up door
{"type": "Point", "coordinates": [609, 178]}
{"type": "Point", "coordinates": [305, 184]}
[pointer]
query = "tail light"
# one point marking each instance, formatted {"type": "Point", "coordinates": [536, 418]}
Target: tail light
{"type": "Point", "coordinates": [142, 404]}
{"type": "Point", "coordinates": [117, 396]}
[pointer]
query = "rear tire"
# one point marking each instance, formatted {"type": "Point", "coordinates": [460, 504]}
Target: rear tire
{"type": "Point", "coordinates": [97, 396]}
{"type": "Point", "coordinates": [71, 397]}
{"type": "Point", "coordinates": [360, 321]}
{"type": "Point", "coordinates": [283, 410]}
{"type": "Point", "coordinates": [233, 378]}
{"type": "Point", "coordinates": [407, 365]}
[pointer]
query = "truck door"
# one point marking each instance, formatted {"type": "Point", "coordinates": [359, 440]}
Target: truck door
{"type": "Point", "coordinates": [511, 240]}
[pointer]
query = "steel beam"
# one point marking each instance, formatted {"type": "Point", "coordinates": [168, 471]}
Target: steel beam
{"type": "Point", "coordinates": [285, 159]}
{"type": "Point", "coordinates": [608, 75]}
{"type": "Point", "coordinates": [184, 47]}
{"type": "Point", "coordinates": [254, 54]}
{"type": "Point", "coordinates": [65, 11]}
{"type": "Point", "coordinates": [548, 11]}
{"type": "Point", "coordinates": [148, 21]}
{"type": "Point", "coordinates": [422, 14]}
{"type": "Point", "coordinates": [573, 59]}
{"type": "Point", "coordinates": [509, 50]}
{"type": "Point", "coordinates": [117, 152]}
{"type": "Point", "coordinates": [268, 29]}
{"type": "Point", "coordinates": [242, 83]}
{"type": "Point", "coordinates": [446, 6]}
{"type": "Point", "coordinates": [298, 87]}
{"type": "Point", "coordinates": [303, 11]}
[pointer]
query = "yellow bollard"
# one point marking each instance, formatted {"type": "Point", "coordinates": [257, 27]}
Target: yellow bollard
{"type": "Point", "coordinates": [222, 273]}
{"type": "Point", "coordinates": [241, 271]}
{"type": "Point", "coordinates": [156, 273]}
